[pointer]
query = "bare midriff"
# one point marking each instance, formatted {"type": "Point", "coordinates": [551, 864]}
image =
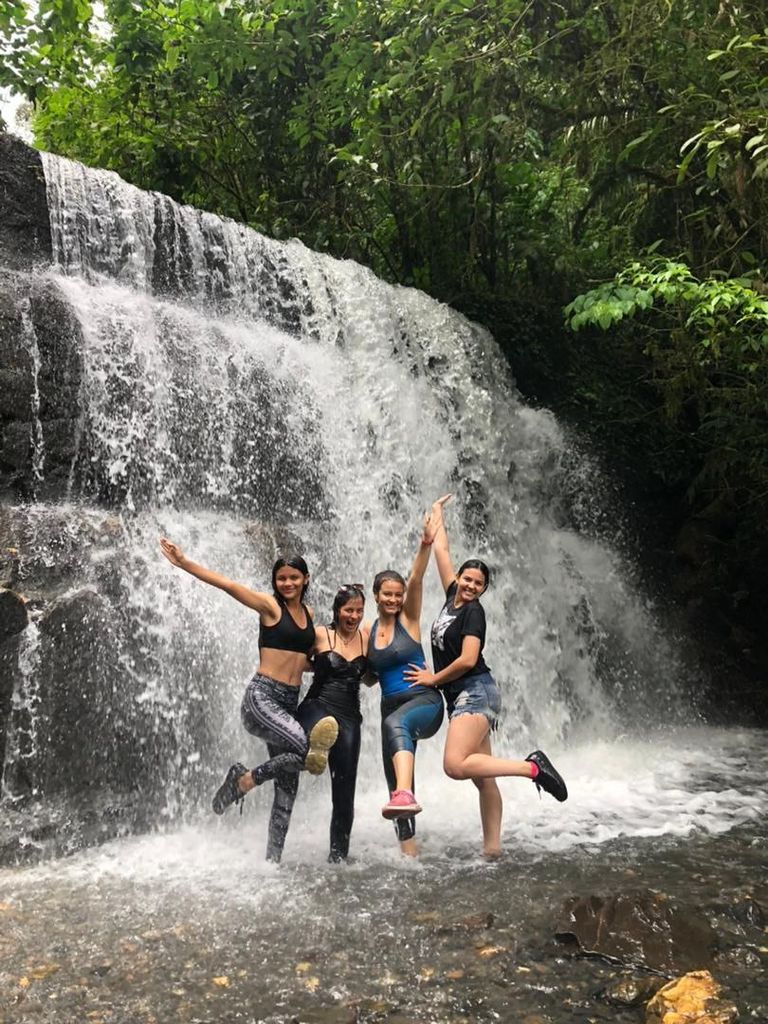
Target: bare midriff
{"type": "Point", "coordinates": [284, 666]}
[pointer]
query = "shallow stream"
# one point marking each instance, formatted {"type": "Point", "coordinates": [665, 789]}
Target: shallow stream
{"type": "Point", "coordinates": [194, 926]}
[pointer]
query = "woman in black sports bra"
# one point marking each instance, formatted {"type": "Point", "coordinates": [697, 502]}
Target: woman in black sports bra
{"type": "Point", "coordinates": [286, 636]}
{"type": "Point", "coordinates": [340, 665]}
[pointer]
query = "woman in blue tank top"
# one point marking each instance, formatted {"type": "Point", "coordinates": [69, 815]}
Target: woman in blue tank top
{"type": "Point", "coordinates": [408, 713]}
{"type": "Point", "coordinates": [270, 703]}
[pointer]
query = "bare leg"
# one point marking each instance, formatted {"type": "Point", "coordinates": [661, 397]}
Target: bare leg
{"type": "Point", "coordinates": [408, 848]}
{"type": "Point", "coordinates": [245, 783]}
{"type": "Point", "coordinates": [490, 809]}
{"type": "Point", "coordinates": [402, 762]}
{"type": "Point", "coordinates": [463, 758]}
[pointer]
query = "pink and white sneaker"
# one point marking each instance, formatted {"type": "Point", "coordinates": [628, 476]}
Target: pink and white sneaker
{"type": "Point", "coordinates": [402, 804]}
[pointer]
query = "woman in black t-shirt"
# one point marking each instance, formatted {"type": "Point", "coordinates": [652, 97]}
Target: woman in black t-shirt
{"type": "Point", "coordinates": [471, 693]}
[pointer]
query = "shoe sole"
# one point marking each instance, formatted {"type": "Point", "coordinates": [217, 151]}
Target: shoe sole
{"type": "Point", "coordinates": [322, 736]}
{"type": "Point", "coordinates": [392, 813]}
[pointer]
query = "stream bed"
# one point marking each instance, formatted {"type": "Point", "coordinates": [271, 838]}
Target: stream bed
{"type": "Point", "coordinates": [192, 925]}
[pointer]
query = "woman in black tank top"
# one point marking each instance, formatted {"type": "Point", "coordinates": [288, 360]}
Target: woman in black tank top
{"type": "Point", "coordinates": [340, 666]}
{"type": "Point", "coordinates": [287, 635]}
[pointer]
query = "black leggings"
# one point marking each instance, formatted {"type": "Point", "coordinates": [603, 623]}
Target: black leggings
{"type": "Point", "coordinates": [408, 716]}
{"type": "Point", "coordinates": [269, 712]}
{"type": "Point", "coordinates": [342, 763]}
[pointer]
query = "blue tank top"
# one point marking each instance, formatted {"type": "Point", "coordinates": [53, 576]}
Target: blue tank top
{"type": "Point", "coordinates": [391, 661]}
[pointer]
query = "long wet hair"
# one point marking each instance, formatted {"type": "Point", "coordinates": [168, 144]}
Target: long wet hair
{"type": "Point", "coordinates": [383, 576]}
{"type": "Point", "coordinates": [295, 562]}
{"type": "Point", "coordinates": [475, 563]}
{"type": "Point", "coordinates": [346, 593]}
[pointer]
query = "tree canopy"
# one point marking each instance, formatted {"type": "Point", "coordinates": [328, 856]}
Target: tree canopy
{"type": "Point", "coordinates": [511, 157]}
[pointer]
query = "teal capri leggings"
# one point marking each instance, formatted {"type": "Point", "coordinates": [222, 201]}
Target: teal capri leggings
{"type": "Point", "coordinates": [411, 715]}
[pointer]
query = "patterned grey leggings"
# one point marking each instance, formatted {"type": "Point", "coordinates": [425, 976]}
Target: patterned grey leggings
{"type": "Point", "coordinates": [269, 712]}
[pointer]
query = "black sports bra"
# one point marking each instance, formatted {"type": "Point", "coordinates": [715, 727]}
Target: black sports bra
{"type": "Point", "coordinates": [285, 635]}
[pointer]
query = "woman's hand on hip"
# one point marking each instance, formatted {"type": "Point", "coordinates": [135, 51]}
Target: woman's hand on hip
{"type": "Point", "coordinates": [419, 675]}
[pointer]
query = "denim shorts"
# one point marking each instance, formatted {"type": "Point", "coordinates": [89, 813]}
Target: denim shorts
{"type": "Point", "coordinates": [474, 695]}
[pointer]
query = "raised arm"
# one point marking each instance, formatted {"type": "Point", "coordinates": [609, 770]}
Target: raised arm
{"type": "Point", "coordinates": [411, 613]}
{"type": "Point", "coordinates": [264, 604]}
{"type": "Point", "coordinates": [442, 551]}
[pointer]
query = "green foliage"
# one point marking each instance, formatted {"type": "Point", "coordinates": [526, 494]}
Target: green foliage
{"type": "Point", "coordinates": [706, 342]}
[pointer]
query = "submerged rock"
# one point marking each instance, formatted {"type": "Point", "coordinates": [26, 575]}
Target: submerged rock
{"type": "Point", "coordinates": [692, 999]}
{"type": "Point", "coordinates": [630, 990]}
{"type": "Point", "coordinates": [642, 930]}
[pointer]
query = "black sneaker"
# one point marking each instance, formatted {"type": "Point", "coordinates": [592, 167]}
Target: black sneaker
{"type": "Point", "coordinates": [229, 792]}
{"type": "Point", "coordinates": [548, 779]}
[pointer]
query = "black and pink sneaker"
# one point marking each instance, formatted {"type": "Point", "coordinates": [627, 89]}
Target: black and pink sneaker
{"type": "Point", "coordinates": [548, 778]}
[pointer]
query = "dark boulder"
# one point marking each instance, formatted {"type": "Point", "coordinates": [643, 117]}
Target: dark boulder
{"type": "Point", "coordinates": [643, 930]}
{"type": "Point", "coordinates": [41, 367]}
{"type": "Point", "coordinates": [25, 231]}
{"type": "Point", "coordinates": [13, 614]}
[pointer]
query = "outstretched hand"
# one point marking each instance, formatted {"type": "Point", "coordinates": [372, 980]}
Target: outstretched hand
{"type": "Point", "coordinates": [437, 506]}
{"type": "Point", "coordinates": [172, 552]}
{"type": "Point", "coordinates": [433, 520]}
{"type": "Point", "coordinates": [418, 675]}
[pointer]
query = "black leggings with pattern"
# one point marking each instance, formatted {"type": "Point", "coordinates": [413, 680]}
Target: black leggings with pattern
{"type": "Point", "coordinates": [269, 712]}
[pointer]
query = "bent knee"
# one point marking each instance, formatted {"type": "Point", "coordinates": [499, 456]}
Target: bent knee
{"type": "Point", "coordinates": [454, 768]}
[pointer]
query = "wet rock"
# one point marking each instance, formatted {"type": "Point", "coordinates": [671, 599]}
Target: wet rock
{"type": "Point", "coordinates": [9, 678]}
{"type": "Point", "coordinates": [60, 346]}
{"type": "Point", "coordinates": [749, 911]}
{"type": "Point", "coordinates": [468, 923]}
{"type": "Point", "coordinates": [13, 614]}
{"type": "Point", "coordinates": [330, 1015]}
{"type": "Point", "coordinates": [740, 956]}
{"type": "Point", "coordinates": [25, 231]}
{"type": "Point", "coordinates": [693, 999]}
{"type": "Point", "coordinates": [271, 542]}
{"type": "Point", "coordinates": [643, 929]}
{"type": "Point", "coordinates": [630, 990]}
{"type": "Point", "coordinates": [39, 408]}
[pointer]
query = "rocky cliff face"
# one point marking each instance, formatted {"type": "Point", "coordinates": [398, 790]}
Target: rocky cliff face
{"type": "Point", "coordinates": [25, 231]}
{"type": "Point", "coordinates": [59, 630]}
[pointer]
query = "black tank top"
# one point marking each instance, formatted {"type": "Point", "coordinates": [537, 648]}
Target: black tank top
{"type": "Point", "coordinates": [337, 682]}
{"type": "Point", "coordinates": [285, 635]}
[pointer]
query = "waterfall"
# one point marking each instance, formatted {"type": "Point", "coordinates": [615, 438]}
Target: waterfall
{"type": "Point", "coordinates": [245, 397]}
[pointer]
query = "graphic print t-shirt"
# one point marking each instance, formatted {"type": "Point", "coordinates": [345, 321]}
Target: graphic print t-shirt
{"type": "Point", "coordinates": [451, 626]}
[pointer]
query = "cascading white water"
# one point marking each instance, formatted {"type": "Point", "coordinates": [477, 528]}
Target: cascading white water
{"type": "Point", "coordinates": [241, 395]}
{"type": "Point", "coordinates": [22, 741]}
